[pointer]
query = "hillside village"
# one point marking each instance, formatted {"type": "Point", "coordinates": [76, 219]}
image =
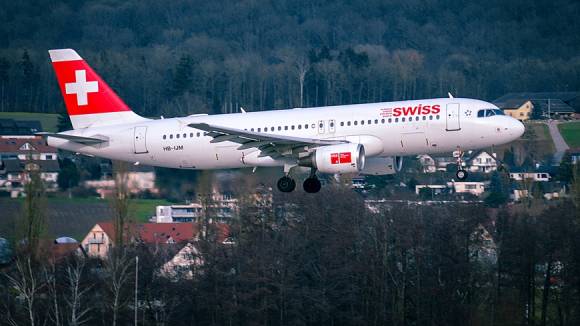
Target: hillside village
{"type": "Point", "coordinates": [496, 176]}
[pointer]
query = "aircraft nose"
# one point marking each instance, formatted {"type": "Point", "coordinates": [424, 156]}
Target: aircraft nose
{"type": "Point", "coordinates": [518, 128]}
{"type": "Point", "coordinates": [514, 128]}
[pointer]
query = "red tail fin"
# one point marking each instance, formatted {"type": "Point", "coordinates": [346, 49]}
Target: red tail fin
{"type": "Point", "coordinates": [88, 99]}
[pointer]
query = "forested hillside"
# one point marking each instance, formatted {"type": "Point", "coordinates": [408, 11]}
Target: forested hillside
{"type": "Point", "coordinates": [177, 57]}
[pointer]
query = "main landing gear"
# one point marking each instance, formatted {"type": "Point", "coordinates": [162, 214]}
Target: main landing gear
{"type": "Point", "coordinates": [286, 184]}
{"type": "Point", "coordinates": [311, 185]}
{"type": "Point", "coordinates": [461, 174]}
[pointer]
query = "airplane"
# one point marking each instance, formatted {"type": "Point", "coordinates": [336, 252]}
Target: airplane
{"type": "Point", "coordinates": [359, 138]}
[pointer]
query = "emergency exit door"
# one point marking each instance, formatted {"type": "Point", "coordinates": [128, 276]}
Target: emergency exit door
{"type": "Point", "coordinates": [452, 117]}
{"type": "Point", "coordinates": [140, 140]}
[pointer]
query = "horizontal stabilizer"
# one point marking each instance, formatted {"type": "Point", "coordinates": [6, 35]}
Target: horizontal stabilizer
{"type": "Point", "coordinates": [76, 139]}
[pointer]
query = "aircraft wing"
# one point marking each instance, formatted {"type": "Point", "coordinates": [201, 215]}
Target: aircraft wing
{"type": "Point", "coordinates": [272, 145]}
{"type": "Point", "coordinates": [76, 139]}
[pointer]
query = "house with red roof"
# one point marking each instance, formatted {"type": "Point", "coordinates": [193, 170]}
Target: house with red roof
{"type": "Point", "coordinates": [21, 154]}
{"type": "Point", "coordinates": [101, 237]}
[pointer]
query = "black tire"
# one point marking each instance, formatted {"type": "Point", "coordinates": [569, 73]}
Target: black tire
{"type": "Point", "coordinates": [312, 185]}
{"type": "Point", "coordinates": [286, 184]}
{"type": "Point", "coordinates": [461, 174]}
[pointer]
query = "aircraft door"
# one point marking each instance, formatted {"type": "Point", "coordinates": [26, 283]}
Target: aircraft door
{"type": "Point", "coordinates": [140, 140]}
{"type": "Point", "coordinates": [452, 117]}
{"type": "Point", "coordinates": [321, 126]}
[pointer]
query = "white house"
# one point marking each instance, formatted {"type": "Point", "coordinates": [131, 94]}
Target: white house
{"type": "Point", "coordinates": [474, 188]}
{"type": "Point", "coordinates": [427, 163]}
{"type": "Point", "coordinates": [183, 264]}
{"type": "Point", "coordinates": [533, 176]}
{"type": "Point", "coordinates": [482, 161]}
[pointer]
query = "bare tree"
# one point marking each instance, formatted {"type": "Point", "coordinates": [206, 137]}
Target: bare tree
{"type": "Point", "coordinates": [78, 313]}
{"type": "Point", "coordinates": [51, 281]}
{"type": "Point", "coordinates": [118, 269]}
{"type": "Point", "coordinates": [27, 285]}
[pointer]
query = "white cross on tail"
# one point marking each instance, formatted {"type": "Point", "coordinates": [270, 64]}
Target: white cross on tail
{"type": "Point", "coordinates": [81, 87]}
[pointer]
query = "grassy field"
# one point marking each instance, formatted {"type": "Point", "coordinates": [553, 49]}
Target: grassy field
{"type": "Point", "coordinates": [73, 217]}
{"type": "Point", "coordinates": [571, 133]}
{"type": "Point", "coordinates": [49, 121]}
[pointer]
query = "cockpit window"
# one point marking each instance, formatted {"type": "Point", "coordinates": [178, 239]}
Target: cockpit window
{"type": "Point", "coordinates": [489, 112]}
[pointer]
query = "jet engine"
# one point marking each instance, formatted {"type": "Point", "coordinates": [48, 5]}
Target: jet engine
{"type": "Point", "coordinates": [383, 165]}
{"type": "Point", "coordinates": [343, 158]}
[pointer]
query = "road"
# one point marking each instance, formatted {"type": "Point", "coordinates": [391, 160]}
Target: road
{"type": "Point", "coordinates": [559, 143]}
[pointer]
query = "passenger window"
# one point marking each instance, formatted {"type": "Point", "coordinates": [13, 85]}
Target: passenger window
{"type": "Point", "coordinates": [252, 129]}
{"type": "Point", "coordinates": [285, 127]}
{"type": "Point", "coordinates": [355, 122]}
{"type": "Point", "coordinates": [292, 127]}
{"type": "Point", "coordinates": [430, 117]}
{"type": "Point", "coordinates": [279, 128]}
{"type": "Point", "coordinates": [331, 124]}
{"type": "Point", "coordinates": [370, 121]}
{"type": "Point", "coordinates": [171, 136]}
{"type": "Point", "coordinates": [306, 126]}
{"type": "Point", "coordinates": [164, 136]}
{"type": "Point", "coordinates": [437, 117]}
{"type": "Point", "coordinates": [177, 136]}
{"type": "Point", "coordinates": [184, 135]}
{"type": "Point", "coordinates": [348, 123]}
{"type": "Point", "coordinates": [396, 119]}
{"type": "Point", "coordinates": [198, 134]}
{"type": "Point", "coordinates": [382, 120]}
{"type": "Point", "coordinates": [259, 129]}
{"type": "Point", "coordinates": [299, 126]}
{"type": "Point", "coordinates": [272, 129]}
{"type": "Point", "coordinates": [376, 121]}
{"type": "Point", "coordinates": [390, 120]}
{"type": "Point", "coordinates": [342, 123]}
{"type": "Point", "coordinates": [402, 119]}
{"type": "Point", "coordinates": [191, 134]}
{"type": "Point", "coordinates": [362, 122]}
{"type": "Point", "coordinates": [416, 118]}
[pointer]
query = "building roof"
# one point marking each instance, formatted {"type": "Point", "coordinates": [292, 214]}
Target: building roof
{"type": "Point", "coordinates": [18, 145]}
{"type": "Point", "coordinates": [19, 127]}
{"type": "Point", "coordinates": [152, 233]}
{"type": "Point", "coordinates": [559, 102]}
{"type": "Point", "coordinates": [476, 154]}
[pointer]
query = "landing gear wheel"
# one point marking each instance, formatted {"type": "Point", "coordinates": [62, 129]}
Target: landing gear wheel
{"type": "Point", "coordinates": [461, 174]}
{"type": "Point", "coordinates": [312, 185]}
{"type": "Point", "coordinates": [286, 184]}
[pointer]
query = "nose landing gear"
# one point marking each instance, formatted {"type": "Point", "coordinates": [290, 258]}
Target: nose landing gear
{"type": "Point", "coordinates": [461, 174]}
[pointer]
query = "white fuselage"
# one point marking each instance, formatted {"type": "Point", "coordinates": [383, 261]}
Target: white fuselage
{"type": "Point", "coordinates": [172, 143]}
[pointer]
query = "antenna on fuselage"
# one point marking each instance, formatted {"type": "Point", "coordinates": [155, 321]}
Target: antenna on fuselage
{"type": "Point", "coordinates": [450, 96]}
{"type": "Point", "coordinates": [242, 109]}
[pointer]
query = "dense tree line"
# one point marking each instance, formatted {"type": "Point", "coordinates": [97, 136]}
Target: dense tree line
{"type": "Point", "coordinates": [179, 57]}
{"type": "Point", "coordinates": [327, 261]}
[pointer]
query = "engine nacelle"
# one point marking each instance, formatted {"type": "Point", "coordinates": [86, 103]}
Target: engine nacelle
{"type": "Point", "coordinates": [343, 158]}
{"type": "Point", "coordinates": [383, 165]}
